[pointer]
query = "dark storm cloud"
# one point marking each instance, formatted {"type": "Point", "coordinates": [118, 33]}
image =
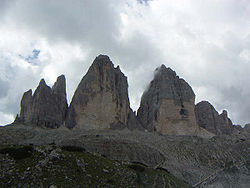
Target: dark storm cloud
{"type": "Point", "coordinates": [77, 21]}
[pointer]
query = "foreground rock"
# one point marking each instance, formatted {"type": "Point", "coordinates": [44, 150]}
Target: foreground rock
{"type": "Point", "coordinates": [47, 107]}
{"type": "Point", "coordinates": [221, 161]}
{"type": "Point", "coordinates": [167, 106]}
{"type": "Point", "coordinates": [211, 120]}
{"type": "Point", "coordinates": [247, 128]}
{"type": "Point", "coordinates": [53, 166]}
{"type": "Point", "coordinates": [101, 99]}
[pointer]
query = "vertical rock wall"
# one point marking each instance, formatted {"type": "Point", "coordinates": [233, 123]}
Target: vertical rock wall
{"type": "Point", "coordinates": [101, 99]}
{"type": "Point", "coordinates": [211, 120]}
{"type": "Point", "coordinates": [47, 107]}
{"type": "Point", "coordinates": [167, 106]}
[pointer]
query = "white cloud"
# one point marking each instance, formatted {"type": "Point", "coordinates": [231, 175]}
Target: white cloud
{"type": "Point", "coordinates": [5, 118]}
{"type": "Point", "coordinates": [205, 42]}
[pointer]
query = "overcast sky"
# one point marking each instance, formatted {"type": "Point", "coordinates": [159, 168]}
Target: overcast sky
{"type": "Point", "coordinates": [207, 42]}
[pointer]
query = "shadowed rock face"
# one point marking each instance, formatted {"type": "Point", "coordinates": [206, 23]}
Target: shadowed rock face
{"type": "Point", "coordinates": [168, 105]}
{"type": "Point", "coordinates": [211, 120]}
{"type": "Point", "coordinates": [246, 128]}
{"type": "Point", "coordinates": [101, 99]}
{"type": "Point", "coordinates": [47, 107]}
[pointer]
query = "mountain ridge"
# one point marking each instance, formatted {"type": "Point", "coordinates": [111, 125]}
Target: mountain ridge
{"type": "Point", "coordinates": [104, 83]}
{"type": "Point", "coordinates": [211, 151]}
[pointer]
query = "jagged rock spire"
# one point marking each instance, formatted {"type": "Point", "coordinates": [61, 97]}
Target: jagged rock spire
{"type": "Point", "coordinates": [47, 107]}
{"type": "Point", "coordinates": [26, 105]}
{"type": "Point", "coordinates": [211, 120]}
{"type": "Point", "coordinates": [167, 106]}
{"type": "Point", "coordinates": [60, 86]}
{"type": "Point", "coordinates": [101, 99]}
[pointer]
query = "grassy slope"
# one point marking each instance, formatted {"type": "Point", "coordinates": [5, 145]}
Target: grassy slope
{"type": "Point", "coordinates": [43, 166]}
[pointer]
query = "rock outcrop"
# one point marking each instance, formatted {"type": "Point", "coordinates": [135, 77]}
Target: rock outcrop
{"type": "Point", "coordinates": [101, 99]}
{"type": "Point", "coordinates": [167, 106]}
{"type": "Point", "coordinates": [247, 127]}
{"type": "Point", "coordinates": [211, 120]}
{"type": "Point", "coordinates": [47, 107]}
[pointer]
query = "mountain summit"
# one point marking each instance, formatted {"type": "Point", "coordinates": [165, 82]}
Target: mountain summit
{"type": "Point", "coordinates": [101, 102]}
{"type": "Point", "coordinates": [47, 107]}
{"type": "Point", "coordinates": [167, 106]}
{"type": "Point", "coordinates": [101, 99]}
{"type": "Point", "coordinates": [211, 120]}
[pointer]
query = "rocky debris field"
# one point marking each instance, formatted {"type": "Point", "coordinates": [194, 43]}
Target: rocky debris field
{"type": "Point", "coordinates": [221, 161]}
{"type": "Point", "coordinates": [69, 166]}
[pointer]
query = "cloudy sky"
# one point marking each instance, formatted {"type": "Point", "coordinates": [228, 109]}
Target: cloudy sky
{"type": "Point", "coordinates": [207, 42]}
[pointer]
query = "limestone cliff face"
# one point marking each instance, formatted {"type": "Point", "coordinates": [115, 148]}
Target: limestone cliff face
{"type": "Point", "coordinates": [101, 99]}
{"type": "Point", "coordinates": [167, 106]}
{"type": "Point", "coordinates": [211, 120]}
{"type": "Point", "coordinates": [47, 107]}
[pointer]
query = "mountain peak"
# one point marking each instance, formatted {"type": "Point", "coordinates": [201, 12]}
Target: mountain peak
{"type": "Point", "coordinates": [47, 107]}
{"type": "Point", "coordinates": [168, 105]}
{"type": "Point", "coordinates": [102, 59]}
{"type": "Point", "coordinates": [59, 86]}
{"type": "Point", "coordinates": [101, 99]}
{"type": "Point", "coordinates": [42, 82]}
{"type": "Point", "coordinates": [163, 71]}
{"type": "Point", "coordinates": [209, 119]}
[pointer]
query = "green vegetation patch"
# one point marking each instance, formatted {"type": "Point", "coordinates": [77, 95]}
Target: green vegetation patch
{"type": "Point", "coordinates": [159, 177]}
{"type": "Point", "coordinates": [73, 148]}
{"type": "Point", "coordinates": [44, 166]}
{"type": "Point", "coordinates": [137, 167]}
{"type": "Point", "coordinates": [18, 152]}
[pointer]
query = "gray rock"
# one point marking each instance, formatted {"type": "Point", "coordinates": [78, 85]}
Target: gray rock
{"type": "Point", "coordinates": [101, 99]}
{"type": "Point", "coordinates": [247, 128]}
{"type": "Point", "coordinates": [198, 161]}
{"type": "Point", "coordinates": [168, 105]}
{"type": "Point", "coordinates": [47, 107]}
{"type": "Point", "coordinates": [117, 148]}
{"type": "Point", "coordinates": [211, 120]}
{"type": "Point", "coordinates": [225, 124]}
{"type": "Point", "coordinates": [26, 105]}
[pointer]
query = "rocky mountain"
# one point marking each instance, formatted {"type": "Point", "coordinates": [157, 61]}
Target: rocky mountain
{"type": "Point", "coordinates": [101, 99]}
{"type": "Point", "coordinates": [167, 106]}
{"type": "Point", "coordinates": [101, 102]}
{"type": "Point", "coordinates": [170, 143]}
{"type": "Point", "coordinates": [47, 107]}
{"type": "Point", "coordinates": [211, 120]}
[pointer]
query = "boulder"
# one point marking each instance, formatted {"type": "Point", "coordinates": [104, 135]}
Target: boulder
{"type": "Point", "coordinates": [47, 107]}
{"type": "Point", "coordinates": [101, 99]}
{"type": "Point", "coordinates": [167, 106]}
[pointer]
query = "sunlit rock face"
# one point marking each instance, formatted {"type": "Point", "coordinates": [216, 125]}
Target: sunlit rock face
{"type": "Point", "coordinates": [47, 107]}
{"type": "Point", "coordinates": [167, 106]}
{"type": "Point", "coordinates": [101, 99]}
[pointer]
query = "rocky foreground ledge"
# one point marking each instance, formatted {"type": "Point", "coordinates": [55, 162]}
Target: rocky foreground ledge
{"type": "Point", "coordinates": [218, 161]}
{"type": "Point", "coordinates": [67, 166]}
